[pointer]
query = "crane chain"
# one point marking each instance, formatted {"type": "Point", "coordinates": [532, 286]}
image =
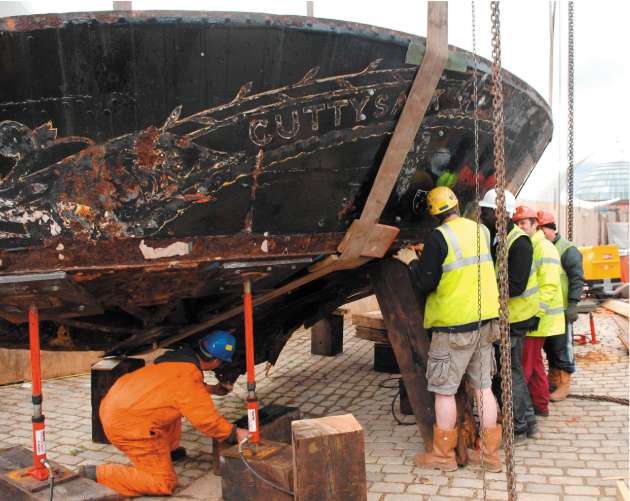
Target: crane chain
{"type": "Point", "coordinates": [482, 432]}
{"type": "Point", "coordinates": [570, 129]}
{"type": "Point", "coordinates": [499, 166]}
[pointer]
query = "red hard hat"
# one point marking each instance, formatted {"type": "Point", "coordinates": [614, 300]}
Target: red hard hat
{"type": "Point", "coordinates": [545, 217]}
{"type": "Point", "coordinates": [523, 212]}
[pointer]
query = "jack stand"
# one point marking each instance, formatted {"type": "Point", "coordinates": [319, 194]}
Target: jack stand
{"type": "Point", "coordinates": [18, 480]}
{"type": "Point", "coordinates": [582, 339]}
{"type": "Point", "coordinates": [252, 399]}
{"type": "Point", "coordinates": [38, 471]}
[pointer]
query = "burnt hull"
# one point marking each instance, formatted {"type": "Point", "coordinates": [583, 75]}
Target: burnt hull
{"type": "Point", "coordinates": [164, 154]}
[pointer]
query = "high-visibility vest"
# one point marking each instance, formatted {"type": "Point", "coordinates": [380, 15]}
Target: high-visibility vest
{"type": "Point", "coordinates": [562, 245]}
{"type": "Point", "coordinates": [455, 301]}
{"type": "Point", "coordinates": [526, 305]}
{"type": "Point", "coordinates": [547, 266]}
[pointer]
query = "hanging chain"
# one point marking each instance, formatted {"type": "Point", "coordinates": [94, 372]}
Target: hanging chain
{"type": "Point", "coordinates": [482, 431]}
{"type": "Point", "coordinates": [570, 131]}
{"type": "Point", "coordinates": [499, 166]}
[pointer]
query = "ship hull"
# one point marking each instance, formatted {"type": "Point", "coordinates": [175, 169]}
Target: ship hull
{"type": "Point", "coordinates": [162, 155]}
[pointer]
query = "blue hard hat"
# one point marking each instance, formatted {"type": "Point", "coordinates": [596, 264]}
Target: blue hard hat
{"type": "Point", "coordinates": [218, 344]}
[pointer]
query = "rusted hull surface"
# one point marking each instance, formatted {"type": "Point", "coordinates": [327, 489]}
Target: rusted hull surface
{"type": "Point", "coordinates": [159, 146]}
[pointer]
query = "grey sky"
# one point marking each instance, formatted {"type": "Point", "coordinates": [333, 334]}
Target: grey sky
{"type": "Point", "coordinates": [601, 44]}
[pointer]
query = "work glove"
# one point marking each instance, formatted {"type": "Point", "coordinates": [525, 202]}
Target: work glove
{"type": "Point", "coordinates": [571, 313]}
{"type": "Point", "coordinates": [406, 255]}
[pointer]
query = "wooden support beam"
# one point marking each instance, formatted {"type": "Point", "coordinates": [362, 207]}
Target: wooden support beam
{"type": "Point", "coordinates": [418, 100]}
{"type": "Point", "coordinates": [329, 459]}
{"type": "Point", "coordinates": [327, 336]}
{"type": "Point", "coordinates": [403, 312]}
{"type": "Point", "coordinates": [374, 335]}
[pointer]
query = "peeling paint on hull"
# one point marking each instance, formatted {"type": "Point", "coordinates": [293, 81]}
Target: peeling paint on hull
{"type": "Point", "coordinates": [244, 137]}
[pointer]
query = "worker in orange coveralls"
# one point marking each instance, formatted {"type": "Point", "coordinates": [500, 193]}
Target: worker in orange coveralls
{"type": "Point", "coordinates": [141, 416]}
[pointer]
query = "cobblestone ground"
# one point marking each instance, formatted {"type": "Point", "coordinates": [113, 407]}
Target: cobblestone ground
{"type": "Point", "coordinates": [581, 451]}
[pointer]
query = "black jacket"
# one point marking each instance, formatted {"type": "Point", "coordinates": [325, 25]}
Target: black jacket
{"type": "Point", "coordinates": [571, 262]}
{"type": "Point", "coordinates": [520, 257]}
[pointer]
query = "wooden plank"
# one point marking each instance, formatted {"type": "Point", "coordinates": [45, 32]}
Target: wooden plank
{"type": "Point", "coordinates": [420, 96]}
{"type": "Point", "coordinates": [403, 312]}
{"type": "Point", "coordinates": [617, 306]}
{"type": "Point", "coordinates": [274, 461]}
{"type": "Point", "coordinates": [370, 319]}
{"type": "Point", "coordinates": [104, 374]}
{"type": "Point", "coordinates": [374, 335]}
{"type": "Point", "coordinates": [73, 489]}
{"type": "Point", "coordinates": [329, 459]}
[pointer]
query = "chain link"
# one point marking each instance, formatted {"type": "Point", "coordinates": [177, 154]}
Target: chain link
{"type": "Point", "coordinates": [570, 130]}
{"type": "Point", "coordinates": [482, 431]}
{"type": "Point", "coordinates": [504, 328]}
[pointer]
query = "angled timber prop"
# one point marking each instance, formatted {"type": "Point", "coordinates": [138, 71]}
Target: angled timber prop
{"type": "Point", "coordinates": [366, 239]}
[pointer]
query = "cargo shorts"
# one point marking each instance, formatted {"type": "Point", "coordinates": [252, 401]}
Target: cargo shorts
{"type": "Point", "coordinates": [453, 355]}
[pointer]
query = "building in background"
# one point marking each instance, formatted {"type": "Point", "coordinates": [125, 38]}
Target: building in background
{"type": "Point", "coordinates": [603, 179]}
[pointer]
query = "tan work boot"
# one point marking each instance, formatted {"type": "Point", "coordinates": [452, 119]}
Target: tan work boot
{"type": "Point", "coordinates": [442, 457]}
{"type": "Point", "coordinates": [553, 376]}
{"type": "Point", "coordinates": [564, 386]}
{"type": "Point", "coordinates": [491, 445]}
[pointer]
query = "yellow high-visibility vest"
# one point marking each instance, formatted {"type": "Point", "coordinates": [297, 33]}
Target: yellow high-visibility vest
{"type": "Point", "coordinates": [562, 245]}
{"type": "Point", "coordinates": [547, 265]}
{"type": "Point", "coordinates": [455, 301]}
{"type": "Point", "coordinates": [526, 305]}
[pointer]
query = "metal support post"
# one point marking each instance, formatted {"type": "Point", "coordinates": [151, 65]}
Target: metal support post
{"type": "Point", "coordinates": [38, 470]}
{"type": "Point", "coordinates": [252, 399]}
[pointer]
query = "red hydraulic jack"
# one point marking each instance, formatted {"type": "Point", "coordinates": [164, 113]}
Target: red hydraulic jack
{"type": "Point", "coordinates": [252, 399]}
{"type": "Point", "coordinates": [582, 338]}
{"type": "Point", "coordinates": [39, 469]}
{"type": "Point", "coordinates": [257, 448]}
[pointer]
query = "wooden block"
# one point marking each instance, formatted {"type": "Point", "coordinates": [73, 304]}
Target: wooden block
{"type": "Point", "coordinates": [104, 374]}
{"type": "Point", "coordinates": [72, 488]}
{"type": "Point", "coordinates": [385, 359]}
{"type": "Point", "coordinates": [275, 424]}
{"type": "Point", "coordinates": [329, 459]}
{"type": "Point", "coordinates": [370, 319]}
{"type": "Point", "coordinates": [374, 335]}
{"type": "Point", "coordinates": [327, 336]}
{"type": "Point", "coordinates": [273, 462]}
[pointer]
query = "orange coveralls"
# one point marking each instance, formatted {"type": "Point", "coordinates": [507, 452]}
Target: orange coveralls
{"type": "Point", "coordinates": [141, 416]}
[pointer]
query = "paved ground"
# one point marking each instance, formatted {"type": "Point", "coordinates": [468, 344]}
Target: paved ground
{"type": "Point", "coordinates": [581, 451]}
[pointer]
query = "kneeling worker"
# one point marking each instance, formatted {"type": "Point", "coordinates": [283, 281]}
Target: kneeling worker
{"type": "Point", "coordinates": [141, 416]}
{"type": "Point", "coordinates": [448, 272]}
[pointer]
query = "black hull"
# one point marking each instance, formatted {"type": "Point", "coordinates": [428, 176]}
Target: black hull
{"type": "Point", "coordinates": [162, 154]}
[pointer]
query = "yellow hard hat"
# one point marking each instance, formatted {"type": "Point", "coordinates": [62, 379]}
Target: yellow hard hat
{"type": "Point", "coordinates": [440, 200]}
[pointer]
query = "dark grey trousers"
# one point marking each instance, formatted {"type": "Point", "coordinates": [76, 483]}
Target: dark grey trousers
{"type": "Point", "coordinates": [559, 350]}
